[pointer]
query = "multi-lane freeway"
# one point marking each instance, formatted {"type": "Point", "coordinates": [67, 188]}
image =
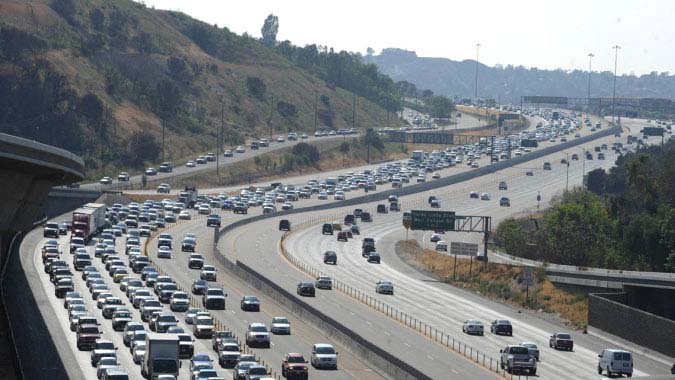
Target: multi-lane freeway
{"type": "Point", "coordinates": [439, 305]}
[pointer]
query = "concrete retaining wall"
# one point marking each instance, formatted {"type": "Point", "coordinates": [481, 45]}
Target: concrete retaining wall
{"type": "Point", "coordinates": [607, 312]}
{"type": "Point", "coordinates": [41, 346]}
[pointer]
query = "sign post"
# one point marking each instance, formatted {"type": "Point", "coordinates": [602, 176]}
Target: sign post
{"type": "Point", "coordinates": [466, 249]}
{"type": "Point", "coordinates": [407, 222]}
{"type": "Point", "coordinates": [527, 279]}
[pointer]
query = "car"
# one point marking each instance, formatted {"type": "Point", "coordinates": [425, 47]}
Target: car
{"type": "Point", "coordinates": [190, 164]}
{"type": "Point", "coordinates": [203, 327]}
{"type": "Point", "coordinates": [473, 326]}
{"type": "Point", "coordinates": [129, 329]}
{"type": "Point", "coordinates": [250, 303]}
{"type": "Point", "coordinates": [306, 288]}
{"type": "Point", "coordinates": [123, 177]}
{"type": "Point", "coordinates": [441, 245]}
{"type": "Point", "coordinates": [502, 185]}
{"type": "Point", "coordinates": [228, 354]}
{"type": "Point", "coordinates": [436, 175]}
{"type": "Point", "coordinates": [505, 202]}
{"type": "Point", "coordinates": [104, 364]}
{"type": "Point", "coordinates": [102, 348]}
{"type": "Point", "coordinates": [384, 287]}
{"type": "Point", "coordinates": [214, 298]}
{"type": "Point", "coordinates": [180, 301]}
{"type": "Point", "coordinates": [373, 257]}
{"type": "Point", "coordinates": [517, 358]}
{"type": "Point", "coordinates": [485, 197]}
{"type": "Point", "coordinates": [342, 236]}
{"type": "Point", "coordinates": [164, 322]}
{"type": "Point", "coordinates": [188, 244]}
{"type": "Point", "coordinates": [501, 326]}
{"type": "Point", "coordinates": [324, 356]}
{"type": "Point", "coordinates": [284, 225]}
{"type": "Point", "coordinates": [615, 362]}
{"type": "Point", "coordinates": [185, 215]}
{"type": "Point", "coordinates": [213, 221]}
{"type": "Point", "coordinates": [324, 282]}
{"type": "Point", "coordinates": [575, 157]}
{"type": "Point", "coordinates": [228, 153]}
{"type": "Point", "coordinates": [199, 287]}
{"type": "Point", "coordinates": [280, 325]}
{"type": "Point", "coordinates": [365, 217]}
{"type": "Point", "coordinates": [561, 341]}
{"type": "Point", "coordinates": [87, 335]}
{"type": "Point", "coordinates": [257, 372]}
{"type": "Point", "coordinates": [257, 335]}
{"type": "Point", "coordinates": [120, 318]}
{"type": "Point", "coordinates": [195, 261]}
{"type": "Point", "coordinates": [330, 257]}
{"type": "Point", "coordinates": [532, 348]}
{"type": "Point", "coordinates": [51, 230]}
{"type": "Point", "coordinates": [164, 253]}
{"type": "Point", "coordinates": [208, 273]}
{"type": "Point", "coordinates": [190, 314]}
{"type": "Point", "coordinates": [473, 195]}
{"type": "Point", "coordinates": [529, 173]}
{"type": "Point", "coordinates": [294, 366]}
{"type": "Point", "coordinates": [105, 181]}
{"type": "Point", "coordinates": [151, 171]}
{"type": "Point", "coordinates": [547, 166]}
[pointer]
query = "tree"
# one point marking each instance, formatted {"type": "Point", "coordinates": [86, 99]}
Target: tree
{"type": "Point", "coordinates": [344, 148]}
{"type": "Point", "coordinates": [142, 146]}
{"type": "Point", "coordinates": [256, 87]}
{"type": "Point", "coordinates": [97, 18]}
{"type": "Point", "coordinates": [372, 139]}
{"type": "Point", "coordinates": [370, 51]}
{"type": "Point", "coordinates": [307, 154]}
{"type": "Point", "coordinates": [439, 107]}
{"type": "Point", "coordinates": [269, 30]}
{"type": "Point", "coordinates": [512, 236]}
{"type": "Point", "coordinates": [427, 93]}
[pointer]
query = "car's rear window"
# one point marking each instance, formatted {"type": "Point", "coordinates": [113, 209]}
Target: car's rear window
{"type": "Point", "coordinates": [519, 351]}
{"type": "Point", "coordinates": [625, 356]}
{"type": "Point", "coordinates": [564, 336]}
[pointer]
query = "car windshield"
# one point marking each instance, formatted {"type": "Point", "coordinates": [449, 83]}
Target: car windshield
{"type": "Point", "coordinates": [89, 329]}
{"type": "Point", "coordinates": [105, 346]}
{"type": "Point", "coordinates": [214, 292]}
{"type": "Point", "coordinates": [180, 295]}
{"type": "Point", "coordinates": [280, 320]}
{"type": "Point", "coordinates": [204, 321]}
{"type": "Point", "coordinates": [257, 371]}
{"type": "Point", "coordinates": [167, 318]}
{"type": "Point", "coordinates": [258, 328]}
{"type": "Point", "coordinates": [201, 358]}
{"type": "Point", "coordinates": [230, 347]}
{"type": "Point", "coordinates": [325, 350]}
{"type": "Point", "coordinates": [251, 299]}
{"type": "Point", "coordinates": [296, 359]}
{"type": "Point", "coordinates": [519, 351]}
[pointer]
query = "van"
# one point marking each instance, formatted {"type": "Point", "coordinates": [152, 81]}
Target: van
{"type": "Point", "coordinates": [615, 362]}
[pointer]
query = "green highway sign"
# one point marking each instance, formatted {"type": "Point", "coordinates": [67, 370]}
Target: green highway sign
{"type": "Point", "coordinates": [432, 220]}
{"type": "Point", "coordinates": [653, 131]}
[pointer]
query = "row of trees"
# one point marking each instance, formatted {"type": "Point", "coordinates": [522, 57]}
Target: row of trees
{"type": "Point", "coordinates": [625, 221]}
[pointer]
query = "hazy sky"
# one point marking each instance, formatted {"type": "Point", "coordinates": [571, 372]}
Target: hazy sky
{"type": "Point", "coordinates": [533, 33]}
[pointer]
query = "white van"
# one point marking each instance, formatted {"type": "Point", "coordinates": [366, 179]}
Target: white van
{"type": "Point", "coordinates": [615, 362]}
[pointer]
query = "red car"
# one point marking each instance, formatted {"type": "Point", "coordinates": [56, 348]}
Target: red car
{"type": "Point", "coordinates": [294, 366]}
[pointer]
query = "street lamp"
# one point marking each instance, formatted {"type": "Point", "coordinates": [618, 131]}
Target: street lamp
{"type": "Point", "coordinates": [476, 84]}
{"type": "Point", "coordinates": [616, 57]}
{"type": "Point", "coordinates": [590, 59]}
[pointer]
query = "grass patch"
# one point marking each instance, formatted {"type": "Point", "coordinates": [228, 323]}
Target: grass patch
{"type": "Point", "coordinates": [499, 282]}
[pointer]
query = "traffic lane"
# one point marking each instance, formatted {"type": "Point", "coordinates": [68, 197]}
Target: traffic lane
{"type": "Point", "coordinates": [405, 344]}
{"type": "Point", "coordinates": [303, 335]}
{"type": "Point", "coordinates": [224, 161]}
{"type": "Point", "coordinates": [200, 345]}
{"type": "Point", "coordinates": [84, 357]}
{"type": "Point", "coordinates": [364, 276]}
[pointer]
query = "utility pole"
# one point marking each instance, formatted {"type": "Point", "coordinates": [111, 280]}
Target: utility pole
{"type": "Point", "coordinates": [354, 111]}
{"type": "Point", "coordinates": [590, 59]}
{"type": "Point", "coordinates": [270, 118]}
{"type": "Point", "coordinates": [616, 58]}
{"type": "Point", "coordinates": [476, 84]}
{"type": "Point", "coordinates": [220, 135]}
{"type": "Point", "coordinates": [161, 120]}
{"type": "Point", "coordinates": [316, 104]}
{"type": "Point", "coordinates": [567, 178]}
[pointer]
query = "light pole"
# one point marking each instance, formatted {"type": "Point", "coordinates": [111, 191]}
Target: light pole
{"type": "Point", "coordinates": [567, 175]}
{"type": "Point", "coordinates": [616, 57]}
{"type": "Point", "coordinates": [476, 84]}
{"type": "Point", "coordinates": [590, 58]}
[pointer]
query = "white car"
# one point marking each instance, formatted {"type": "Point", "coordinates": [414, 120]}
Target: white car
{"type": "Point", "coordinates": [339, 196]}
{"type": "Point", "coordinates": [472, 326]}
{"type": "Point", "coordinates": [280, 325]}
{"type": "Point", "coordinates": [240, 149]}
{"type": "Point", "coordinates": [323, 282]}
{"type": "Point", "coordinates": [164, 252]}
{"type": "Point", "coordinates": [324, 356]}
{"type": "Point", "coordinates": [485, 197]}
{"type": "Point", "coordinates": [442, 246]}
{"type": "Point", "coordinates": [384, 287]}
{"type": "Point", "coordinates": [185, 215]}
{"type": "Point", "coordinates": [258, 335]}
{"type": "Point", "coordinates": [436, 175]}
{"type": "Point", "coordinates": [138, 352]}
{"type": "Point", "coordinates": [435, 238]}
{"type": "Point", "coordinates": [191, 164]}
{"type": "Point", "coordinates": [105, 181]}
{"type": "Point", "coordinates": [287, 206]}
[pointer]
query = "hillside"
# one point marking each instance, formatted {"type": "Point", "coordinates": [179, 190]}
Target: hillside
{"type": "Point", "coordinates": [507, 83]}
{"type": "Point", "coordinates": [99, 77]}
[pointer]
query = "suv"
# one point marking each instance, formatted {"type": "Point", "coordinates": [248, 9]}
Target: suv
{"type": "Point", "coordinates": [517, 358]}
{"type": "Point", "coordinates": [294, 366]}
{"type": "Point", "coordinates": [214, 298]}
{"type": "Point", "coordinates": [502, 186]}
{"type": "Point", "coordinates": [365, 217]}
{"type": "Point", "coordinates": [284, 225]}
{"type": "Point", "coordinates": [330, 257]}
{"type": "Point", "coordinates": [87, 335]}
{"type": "Point", "coordinates": [561, 341]}
{"type": "Point", "coordinates": [501, 326]}
{"type": "Point", "coordinates": [213, 221]}
{"type": "Point", "coordinates": [257, 335]}
{"type": "Point", "coordinates": [615, 362]}
{"type": "Point", "coordinates": [327, 229]}
{"type": "Point", "coordinates": [324, 356]}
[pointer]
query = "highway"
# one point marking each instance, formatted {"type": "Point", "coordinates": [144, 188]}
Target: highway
{"type": "Point", "coordinates": [425, 297]}
{"type": "Point", "coordinates": [257, 247]}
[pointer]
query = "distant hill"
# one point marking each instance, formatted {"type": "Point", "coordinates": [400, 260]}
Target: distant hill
{"type": "Point", "coordinates": [454, 78]}
{"type": "Point", "coordinates": [97, 78]}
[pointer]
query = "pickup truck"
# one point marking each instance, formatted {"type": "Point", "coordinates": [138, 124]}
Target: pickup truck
{"type": "Point", "coordinates": [517, 358]}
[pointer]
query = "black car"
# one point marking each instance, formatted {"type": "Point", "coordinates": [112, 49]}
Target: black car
{"type": "Point", "coordinates": [284, 225]}
{"type": "Point", "coordinates": [365, 217]}
{"type": "Point", "coordinates": [213, 221]}
{"type": "Point", "coordinates": [367, 249]}
{"type": "Point", "coordinates": [349, 219]}
{"type": "Point", "coordinates": [306, 289]}
{"type": "Point", "coordinates": [327, 229]}
{"type": "Point", "coordinates": [374, 257]}
{"type": "Point", "coordinates": [358, 212]}
{"type": "Point", "coordinates": [382, 209]}
{"type": "Point", "coordinates": [330, 257]}
{"type": "Point", "coordinates": [199, 287]}
{"type": "Point", "coordinates": [250, 303]}
{"type": "Point", "coordinates": [501, 327]}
